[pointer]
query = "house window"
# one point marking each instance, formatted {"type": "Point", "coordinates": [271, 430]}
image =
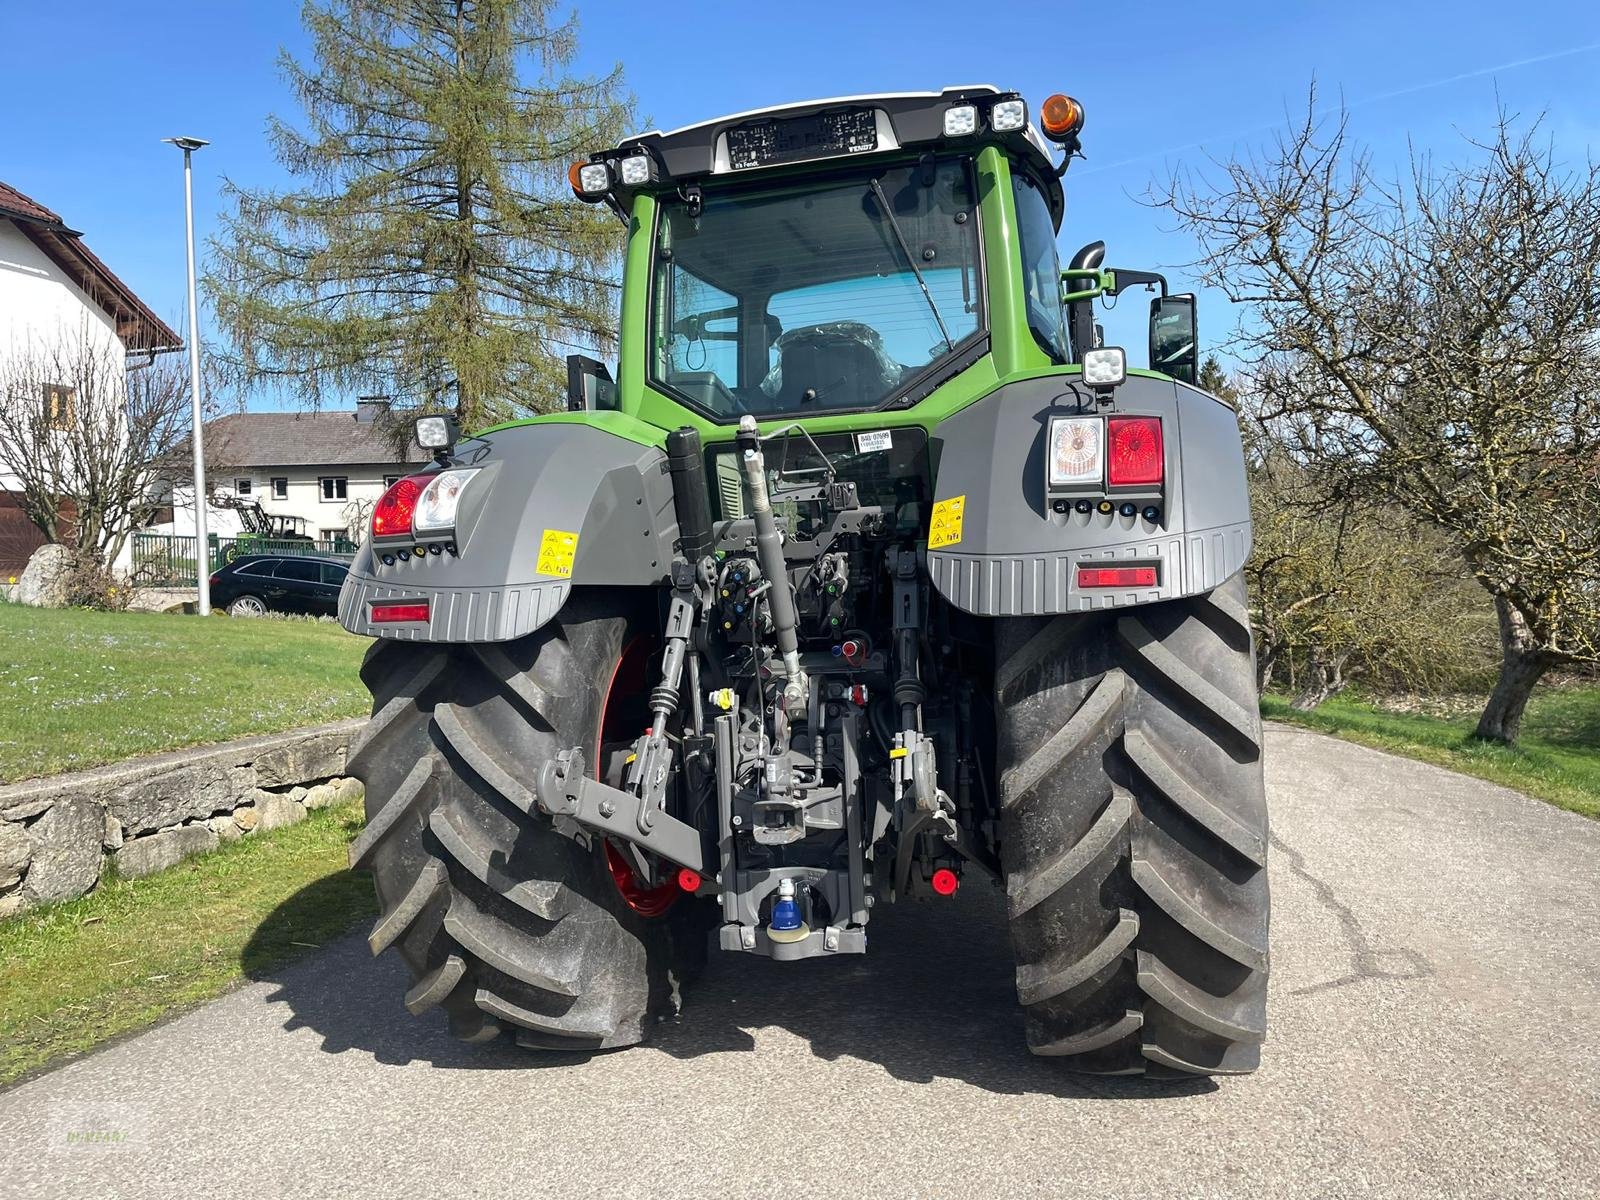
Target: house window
{"type": "Point", "coordinates": [333, 535]}
{"type": "Point", "coordinates": [390, 480]}
{"type": "Point", "coordinates": [335, 487]}
{"type": "Point", "coordinates": [241, 487]}
{"type": "Point", "coordinates": [280, 488]}
{"type": "Point", "coordinates": [60, 406]}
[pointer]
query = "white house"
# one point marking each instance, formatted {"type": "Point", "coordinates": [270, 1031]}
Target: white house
{"type": "Point", "coordinates": [53, 288]}
{"type": "Point", "coordinates": [322, 470]}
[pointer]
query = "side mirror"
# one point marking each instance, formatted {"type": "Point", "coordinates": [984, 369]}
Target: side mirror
{"type": "Point", "coordinates": [590, 387]}
{"type": "Point", "coordinates": [1174, 342]}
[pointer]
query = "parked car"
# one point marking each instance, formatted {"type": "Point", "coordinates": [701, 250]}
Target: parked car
{"type": "Point", "coordinates": [260, 583]}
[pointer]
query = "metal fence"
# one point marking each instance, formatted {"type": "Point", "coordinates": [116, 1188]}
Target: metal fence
{"type": "Point", "coordinates": [165, 560]}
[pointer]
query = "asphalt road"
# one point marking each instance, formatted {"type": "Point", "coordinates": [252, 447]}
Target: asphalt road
{"type": "Point", "coordinates": [1435, 992]}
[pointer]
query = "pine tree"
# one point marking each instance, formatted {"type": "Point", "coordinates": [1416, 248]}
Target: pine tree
{"type": "Point", "coordinates": [431, 248]}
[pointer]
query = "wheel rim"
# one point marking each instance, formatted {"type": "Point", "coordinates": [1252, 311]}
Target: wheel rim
{"type": "Point", "coordinates": [630, 673]}
{"type": "Point", "coordinates": [247, 606]}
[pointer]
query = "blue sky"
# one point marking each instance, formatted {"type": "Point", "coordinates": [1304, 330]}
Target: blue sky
{"type": "Point", "coordinates": [90, 95]}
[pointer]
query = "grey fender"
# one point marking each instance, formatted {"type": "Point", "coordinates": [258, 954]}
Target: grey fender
{"type": "Point", "coordinates": [534, 480]}
{"type": "Point", "coordinates": [1016, 556]}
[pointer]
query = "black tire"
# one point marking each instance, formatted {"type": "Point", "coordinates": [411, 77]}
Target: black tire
{"type": "Point", "coordinates": [1134, 835]}
{"type": "Point", "coordinates": [506, 923]}
{"type": "Point", "coordinates": [247, 606]}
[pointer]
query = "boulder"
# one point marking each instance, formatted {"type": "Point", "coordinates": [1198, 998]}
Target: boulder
{"type": "Point", "coordinates": [44, 579]}
{"type": "Point", "coordinates": [157, 852]}
{"type": "Point", "coordinates": [351, 790]}
{"type": "Point", "coordinates": [320, 796]}
{"type": "Point", "coordinates": [15, 851]}
{"type": "Point", "coordinates": [225, 827]}
{"type": "Point", "coordinates": [277, 811]}
{"type": "Point", "coordinates": [113, 835]}
{"type": "Point", "coordinates": [66, 850]}
{"type": "Point", "coordinates": [246, 818]}
{"type": "Point", "coordinates": [11, 905]}
{"type": "Point", "coordinates": [314, 756]}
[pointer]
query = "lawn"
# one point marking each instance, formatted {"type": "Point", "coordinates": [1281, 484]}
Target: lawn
{"type": "Point", "coordinates": [76, 974]}
{"type": "Point", "coordinates": [1557, 758]}
{"type": "Point", "coordinates": [79, 688]}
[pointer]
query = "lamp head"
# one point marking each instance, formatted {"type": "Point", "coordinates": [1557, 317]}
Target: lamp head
{"type": "Point", "coordinates": [187, 143]}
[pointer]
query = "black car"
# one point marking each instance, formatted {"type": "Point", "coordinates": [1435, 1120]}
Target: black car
{"type": "Point", "coordinates": [259, 583]}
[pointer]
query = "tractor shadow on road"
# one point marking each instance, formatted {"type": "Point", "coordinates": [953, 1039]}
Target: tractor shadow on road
{"type": "Point", "coordinates": [932, 999]}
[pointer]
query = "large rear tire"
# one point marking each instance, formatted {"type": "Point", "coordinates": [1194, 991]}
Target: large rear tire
{"type": "Point", "coordinates": [1134, 835]}
{"type": "Point", "coordinates": [505, 922]}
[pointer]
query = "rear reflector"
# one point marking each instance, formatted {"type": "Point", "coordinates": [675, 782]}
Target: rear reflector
{"type": "Point", "coordinates": [1135, 453]}
{"type": "Point", "coordinates": [395, 614]}
{"type": "Point", "coordinates": [1115, 577]}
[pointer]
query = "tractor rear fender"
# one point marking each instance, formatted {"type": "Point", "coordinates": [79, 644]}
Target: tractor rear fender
{"type": "Point", "coordinates": [587, 506]}
{"type": "Point", "coordinates": [1000, 548]}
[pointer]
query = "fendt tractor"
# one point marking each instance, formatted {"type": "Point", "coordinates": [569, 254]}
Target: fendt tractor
{"type": "Point", "coordinates": [871, 572]}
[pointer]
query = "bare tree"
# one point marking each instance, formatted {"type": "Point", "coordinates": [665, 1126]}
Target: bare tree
{"type": "Point", "coordinates": [86, 435]}
{"type": "Point", "coordinates": [1433, 344]}
{"type": "Point", "coordinates": [1344, 590]}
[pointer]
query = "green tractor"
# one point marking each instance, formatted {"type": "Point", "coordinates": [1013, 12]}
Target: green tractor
{"type": "Point", "coordinates": [871, 573]}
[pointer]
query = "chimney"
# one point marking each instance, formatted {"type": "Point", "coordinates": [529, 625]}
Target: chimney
{"type": "Point", "coordinates": [371, 408]}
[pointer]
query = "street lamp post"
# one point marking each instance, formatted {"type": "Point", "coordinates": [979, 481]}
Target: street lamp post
{"type": "Point", "coordinates": [202, 548]}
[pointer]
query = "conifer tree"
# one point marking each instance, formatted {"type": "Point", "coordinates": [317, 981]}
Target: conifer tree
{"type": "Point", "coordinates": [430, 247]}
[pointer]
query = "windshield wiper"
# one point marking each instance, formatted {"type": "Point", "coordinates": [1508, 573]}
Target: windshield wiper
{"type": "Point", "coordinates": [899, 236]}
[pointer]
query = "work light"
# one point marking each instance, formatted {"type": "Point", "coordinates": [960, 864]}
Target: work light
{"type": "Point", "coordinates": [636, 169]}
{"type": "Point", "coordinates": [1105, 367]}
{"type": "Point", "coordinates": [960, 120]}
{"type": "Point", "coordinates": [1008, 115]}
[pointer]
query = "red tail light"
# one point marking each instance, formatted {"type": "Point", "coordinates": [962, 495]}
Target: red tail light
{"type": "Point", "coordinates": [1113, 577]}
{"type": "Point", "coordinates": [1134, 450]}
{"type": "Point", "coordinates": [214, 580]}
{"type": "Point", "coordinates": [395, 614]}
{"type": "Point", "coordinates": [391, 516]}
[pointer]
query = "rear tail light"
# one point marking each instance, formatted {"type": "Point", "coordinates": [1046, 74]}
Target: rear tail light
{"type": "Point", "coordinates": [214, 580]}
{"type": "Point", "coordinates": [1134, 452]}
{"type": "Point", "coordinates": [1116, 577]}
{"type": "Point", "coordinates": [391, 516]}
{"type": "Point", "coordinates": [421, 505]}
{"type": "Point", "coordinates": [397, 614]}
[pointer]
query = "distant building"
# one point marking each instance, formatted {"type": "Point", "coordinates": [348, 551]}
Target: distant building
{"type": "Point", "coordinates": [52, 286]}
{"type": "Point", "coordinates": [322, 470]}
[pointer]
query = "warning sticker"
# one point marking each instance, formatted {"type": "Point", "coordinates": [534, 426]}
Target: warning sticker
{"type": "Point", "coordinates": [945, 529]}
{"type": "Point", "coordinates": [556, 550]}
{"type": "Point", "coordinates": [876, 439]}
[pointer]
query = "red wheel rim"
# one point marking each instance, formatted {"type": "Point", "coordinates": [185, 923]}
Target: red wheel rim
{"type": "Point", "coordinates": [629, 673]}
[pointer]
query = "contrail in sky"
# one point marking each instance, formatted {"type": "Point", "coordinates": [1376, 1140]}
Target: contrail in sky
{"type": "Point", "coordinates": [1381, 96]}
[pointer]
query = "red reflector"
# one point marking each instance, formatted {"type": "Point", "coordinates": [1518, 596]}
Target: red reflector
{"type": "Point", "coordinates": [1111, 577]}
{"type": "Point", "coordinates": [394, 614]}
{"type": "Point", "coordinates": [946, 881]}
{"type": "Point", "coordinates": [688, 881]}
{"type": "Point", "coordinates": [391, 516]}
{"type": "Point", "coordinates": [1134, 450]}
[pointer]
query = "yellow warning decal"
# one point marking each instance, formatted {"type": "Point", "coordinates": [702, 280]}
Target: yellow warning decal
{"type": "Point", "coordinates": [946, 527]}
{"type": "Point", "coordinates": [556, 550]}
{"type": "Point", "coordinates": [899, 752]}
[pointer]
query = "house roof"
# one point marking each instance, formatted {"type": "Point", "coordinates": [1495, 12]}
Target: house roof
{"type": "Point", "coordinates": [137, 326]}
{"type": "Point", "coordinates": [303, 439]}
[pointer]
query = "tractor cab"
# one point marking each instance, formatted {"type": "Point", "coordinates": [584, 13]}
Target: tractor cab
{"type": "Point", "coordinates": [847, 256]}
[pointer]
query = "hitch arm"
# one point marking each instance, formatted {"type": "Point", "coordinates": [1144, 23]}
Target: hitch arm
{"type": "Point", "coordinates": [565, 789]}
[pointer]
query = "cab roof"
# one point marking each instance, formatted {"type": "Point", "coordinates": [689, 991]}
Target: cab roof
{"type": "Point", "coordinates": [899, 121]}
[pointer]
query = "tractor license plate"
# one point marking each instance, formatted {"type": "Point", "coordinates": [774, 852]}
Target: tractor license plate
{"type": "Point", "coordinates": [795, 139]}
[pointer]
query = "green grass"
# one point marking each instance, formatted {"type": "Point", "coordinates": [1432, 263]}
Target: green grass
{"type": "Point", "coordinates": [79, 688]}
{"type": "Point", "coordinates": [76, 974]}
{"type": "Point", "coordinates": [1557, 758]}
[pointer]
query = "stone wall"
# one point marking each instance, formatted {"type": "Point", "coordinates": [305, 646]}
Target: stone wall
{"type": "Point", "coordinates": [59, 835]}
